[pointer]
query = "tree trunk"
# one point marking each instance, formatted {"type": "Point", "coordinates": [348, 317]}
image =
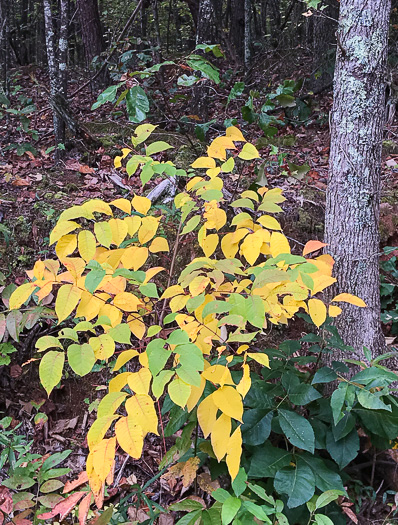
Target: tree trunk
{"type": "Point", "coordinates": [274, 10]}
{"type": "Point", "coordinates": [353, 195]}
{"type": "Point", "coordinates": [237, 29]}
{"type": "Point", "coordinates": [92, 35]}
{"type": "Point", "coordinates": [4, 44]}
{"type": "Point", "coordinates": [248, 33]}
{"type": "Point", "coordinates": [55, 87]}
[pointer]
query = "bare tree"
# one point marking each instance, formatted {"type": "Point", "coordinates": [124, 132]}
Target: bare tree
{"type": "Point", "coordinates": [353, 195]}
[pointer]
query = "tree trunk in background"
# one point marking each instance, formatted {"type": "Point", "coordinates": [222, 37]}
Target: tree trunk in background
{"type": "Point", "coordinates": [63, 48]}
{"type": "Point", "coordinates": [194, 9]}
{"type": "Point", "coordinates": [55, 86]}
{"type": "Point", "coordinates": [274, 12]}
{"type": "Point", "coordinates": [353, 195]}
{"type": "Point", "coordinates": [237, 29]}
{"type": "Point", "coordinates": [324, 43]}
{"type": "Point", "coordinates": [4, 44]}
{"type": "Point", "coordinates": [92, 35]}
{"type": "Point", "coordinates": [248, 33]}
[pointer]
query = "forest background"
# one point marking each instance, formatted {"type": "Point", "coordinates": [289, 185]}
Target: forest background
{"type": "Point", "coordinates": [232, 168]}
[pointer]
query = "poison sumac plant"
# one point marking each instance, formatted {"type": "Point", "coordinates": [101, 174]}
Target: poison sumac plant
{"type": "Point", "coordinates": [193, 329]}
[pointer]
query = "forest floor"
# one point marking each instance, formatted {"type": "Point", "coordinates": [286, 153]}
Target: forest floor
{"type": "Point", "coordinates": [33, 192]}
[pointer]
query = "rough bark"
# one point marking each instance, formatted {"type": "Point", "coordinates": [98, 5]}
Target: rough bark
{"type": "Point", "coordinates": [274, 10]}
{"type": "Point", "coordinates": [248, 33]}
{"type": "Point", "coordinates": [4, 44]}
{"type": "Point", "coordinates": [92, 35]}
{"type": "Point", "coordinates": [353, 195]}
{"type": "Point", "coordinates": [55, 86]}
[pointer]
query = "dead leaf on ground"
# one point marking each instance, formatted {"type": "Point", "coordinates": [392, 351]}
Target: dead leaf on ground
{"type": "Point", "coordinates": [64, 424]}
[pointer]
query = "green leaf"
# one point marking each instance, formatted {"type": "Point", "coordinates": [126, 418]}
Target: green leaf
{"type": "Point", "coordinates": [191, 224]}
{"type": "Point", "coordinates": [189, 375]}
{"type": "Point", "coordinates": [55, 460]}
{"type": "Point", "coordinates": [267, 460]}
{"type": "Point", "coordinates": [156, 147]}
{"type": "Point", "coordinates": [236, 91]}
{"type": "Point", "coordinates": [157, 356]}
{"type": "Point", "coordinates": [160, 381]}
{"type": "Point", "coordinates": [257, 511]}
{"type": "Point", "coordinates": [190, 519]}
{"type": "Point", "coordinates": [239, 483]}
{"type": "Point", "coordinates": [121, 333]}
{"type": "Point", "coordinates": [94, 279]}
{"type": "Point", "coordinates": [187, 80]}
{"type": "Point", "coordinates": [153, 330]}
{"type": "Point", "coordinates": [220, 495]}
{"type": "Point", "coordinates": [345, 449]}
{"type": "Point", "coordinates": [178, 337]}
{"type": "Point", "coordinates": [327, 497]}
{"type": "Point", "coordinates": [321, 519]}
{"type": "Point", "coordinates": [297, 430]}
{"type": "Point", "coordinates": [230, 509]}
{"type": "Point", "coordinates": [337, 402]}
{"type": "Point", "coordinates": [150, 290]}
{"type": "Point", "coordinates": [186, 505]}
{"type": "Point", "coordinates": [256, 426]}
{"type": "Point", "coordinates": [50, 370]}
{"type": "Point", "coordinates": [372, 401]}
{"type": "Point", "coordinates": [198, 63]}
{"type": "Point", "coordinates": [137, 104]}
{"type": "Point", "coordinates": [255, 311]}
{"type": "Point", "coordinates": [81, 358]}
{"type": "Point", "coordinates": [108, 95]}
{"type": "Point", "coordinates": [381, 424]}
{"type": "Point", "coordinates": [298, 483]}
{"type": "Point", "coordinates": [324, 375]}
{"type": "Point", "coordinates": [344, 426]}
{"type": "Point", "coordinates": [325, 477]}
{"type": "Point", "coordinates": [299, 393]}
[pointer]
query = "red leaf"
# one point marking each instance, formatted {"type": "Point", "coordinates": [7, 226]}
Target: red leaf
{"type": "Point", "coordinates": [313, 246]}
{"type": "Point", "coordinates": [350, 514]}
{"type": "Point", "coordinates": [70, 485]}
{"type": "Point", "coordinates": [84, 507]}
{"type": "Point", "coordinates": [64, 507]}
{"type": "Point", "coordinates": [5, 500]}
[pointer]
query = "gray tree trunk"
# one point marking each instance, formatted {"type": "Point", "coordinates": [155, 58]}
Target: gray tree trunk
{"type": "Point", "coordinates": [353, 195]}
{"type": "Point", "coordinates": [248, 33]}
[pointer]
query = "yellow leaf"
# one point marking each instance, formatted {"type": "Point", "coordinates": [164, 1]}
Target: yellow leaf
{"type": "Point", "coordinates": [204, 162]}
{"type": "Point", "coordinates": [196, 394]}
{"type": "Point", "coordinates": [114, 314]}
{"type": "Point", "coordinates": [61, 229]}
{"type": "Point", "coordinates": [152, 272]}
{"type": "Point", "coordinates": [20, 295]}
{"type": "Point", "coordinates": [263, 359]}
{"type": "Point", "coordinates": [279, 244]}
{"type": "Point", "coordinates": [229, 401]}
{"type": "Point", "coordinates": [98, 206]}
{"type": "Point", "coordinates": [129, 436]}
{"type": "Point", "coordinates": [67, 298]}
{"type": "Point", "coordinates": [172, 291]}
{"type": "Point", "coordinates": [220, 434]}
{"type": "Point", "coordinates": [234, 453]}
{"type": "Point", "coordinates": [245, 383]}
{"type": "Point", "coordinates": [141, 204]}
{"type": "Point", "coordinates": [140, 408]}
{"type": "Point", "coordinates": [119, 382]}
{"type": "Point", "coordinates": [249, 152]}
{"type": "Point", "coordinates": [89, 306]}
{"type": "Point", "coordinates": [321, 282]}
{"type": "Point", "coordinates": [178, 302]}
{"type": "Point", "coordinates": [143, 359]}
{"type": "Point", "coordinates": [334, 311]}
{"type": "Point", "coordinates": [87, 245]}
{"type": "Point", "coordinates": [103, 346]}
{"type": "Point", "coordinates": [103, 233]}
{"type": "Point", "coordinates": [122, 204]}
{"type": "Point", "coordinates": [317, 311]}
{"type": "Point", "coordinates": [148, 229]}
{"type": "Point", "coordinates": [235, 133]}
{"type": "Point", "coordinates": [134, 257]}
{"type": "Point", "coordinates": [117, 161]}
{"type": "Point", "coordinates": [209, 244]}
{"type": "Point", "coordinates": [198, 285]}
{"type": "Point", "coordinates": [349, 298]}
{"type": "Point", "coordinates": [127, 302]}
{"type": "Point", "coordinates": [269, 222]}
{"type": "Point", "coordinates": [216, 218]}
{"type": "Point", "coordinates": [139, 381]}
{"type": "Point", "coordinates": [98, 430]}
{"type": "Point", "coordinates": [137, 326]}
{"type": "Point", "coordinates": [213, 172]}
{"type": "Point", "coordinates": [123, 358]}
{"type": "Point", "coordinates": [251, 246]}
{"type": "Point", "coordinates": [110, 403]}
{"type": "Point", "coordinates": [133, 223]}
{"type": "Point", "coordinates": [103, 457]}
{"type": "Point", "coordinates": [218, 374]}
{"type": "Point", "coordinates": [119, 230]}
{"type": "Point", "coordinates": [207, 413]}
{"type": "Point", "coordinates": [65, 246]}
{"type": "Point", "coordinates": [179, 392]}
{"type": "Point", "coordinates": [159, 244]}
